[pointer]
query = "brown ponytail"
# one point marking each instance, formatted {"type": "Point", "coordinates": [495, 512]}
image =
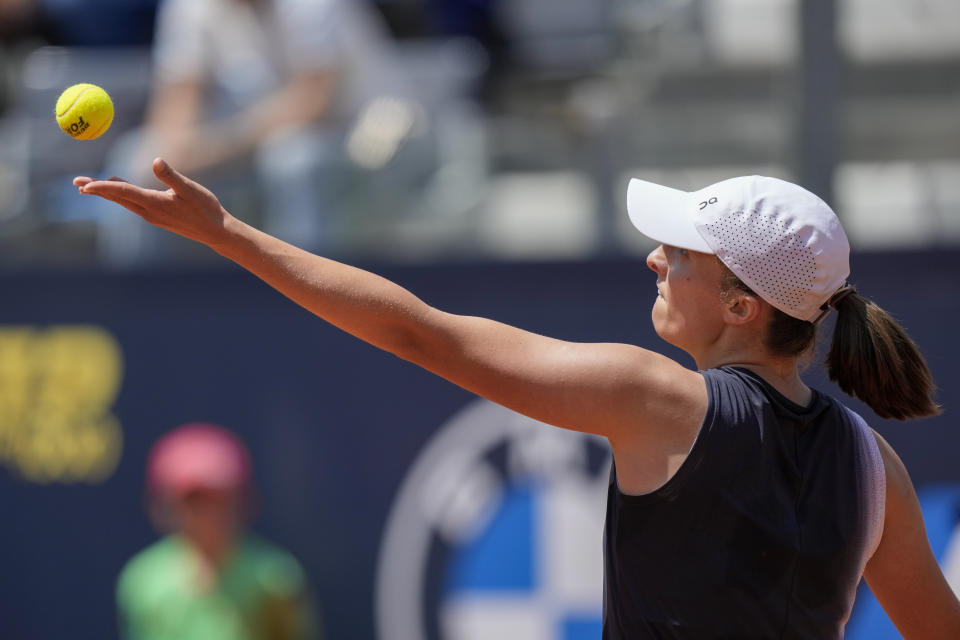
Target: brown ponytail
{"type": "Point", "coordinates": [872, 358]}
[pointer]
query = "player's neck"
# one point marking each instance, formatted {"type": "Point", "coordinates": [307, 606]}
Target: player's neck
{"type": "Point", "coordinates": [782, 373]}
{"type": "Point", "coordinates": [786, 380]}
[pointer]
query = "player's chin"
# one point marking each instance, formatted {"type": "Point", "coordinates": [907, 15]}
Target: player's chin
{"type": "Point", "coordinates": [659, 309]}
{"type": "Point", "coordinates": [666, 327]}
{"type": "Point", "coordinates": [658, 315]}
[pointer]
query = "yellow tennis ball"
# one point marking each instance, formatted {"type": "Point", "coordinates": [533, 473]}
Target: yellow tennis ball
{"type": "Point", "coordinates": [84, 111]}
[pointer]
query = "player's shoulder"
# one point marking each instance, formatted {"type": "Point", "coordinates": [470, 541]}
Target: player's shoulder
{"type": "Point", "coordinates": [665, 398]}
{"type": "Point", "coordinates": [654, 369]}
{"type": "Point", "coordinates": [898, 478]}
{"type": "Point", "coordinates": [657, 380]}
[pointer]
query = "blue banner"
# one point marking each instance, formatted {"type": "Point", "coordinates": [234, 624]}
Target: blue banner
{"type": "Point", "coordinates": [371, 471]}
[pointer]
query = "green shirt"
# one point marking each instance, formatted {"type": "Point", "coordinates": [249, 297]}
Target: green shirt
{"type": "Point", "coordinates": [260, 594]}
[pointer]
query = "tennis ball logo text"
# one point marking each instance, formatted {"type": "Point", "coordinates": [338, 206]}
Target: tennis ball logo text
{"type": "Point", "coordinates": [78, 127]}
{"type": "Point", "coordinates": [57, 389]}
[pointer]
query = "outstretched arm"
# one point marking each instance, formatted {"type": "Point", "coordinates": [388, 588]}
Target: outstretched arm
{"type": "Point", "coordinates": [624, 392]}
{"type": "Point", "coordinates": [903, 573]}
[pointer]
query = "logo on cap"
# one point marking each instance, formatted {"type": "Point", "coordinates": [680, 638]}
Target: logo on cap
{"type": "Point", "coordinates": [703, 205]}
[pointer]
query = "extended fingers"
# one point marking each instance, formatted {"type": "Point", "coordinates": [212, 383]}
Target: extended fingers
{"type": "Point", "coordinates": [169, 176]}
{"type": "Point", "coordinates": [116, 188]}
{"type": "Point", "coordinates": [81, 181]}
{"type": "Point", "coordinates": [116, 197]}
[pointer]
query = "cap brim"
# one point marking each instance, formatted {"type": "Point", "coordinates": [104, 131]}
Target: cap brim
{"type": "Point", "coordinates": [665, 215]}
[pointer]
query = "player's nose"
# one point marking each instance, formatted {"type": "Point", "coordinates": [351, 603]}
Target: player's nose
{"type": "Point", "coordinates": [657, 261]}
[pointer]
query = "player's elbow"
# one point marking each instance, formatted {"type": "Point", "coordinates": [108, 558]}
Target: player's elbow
{"type": "Point", "coordinates": [422, 340]}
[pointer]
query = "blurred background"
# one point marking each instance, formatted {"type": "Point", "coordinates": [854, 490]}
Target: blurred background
{"type": "Point", "coordinates": [476, 151]}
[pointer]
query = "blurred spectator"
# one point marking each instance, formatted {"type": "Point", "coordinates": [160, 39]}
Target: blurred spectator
{"type": "Point", "coordinates": [267, 85]}
{"type": "Point", "coordinates": [478, 20]}
{"type": "Point", "coordinates": [209, 579]}
{"type": "Point", "coordinates": [80, 23]}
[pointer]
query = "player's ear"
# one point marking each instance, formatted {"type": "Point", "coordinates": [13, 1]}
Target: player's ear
{"type": "Point", "coordinates": [741, 308]}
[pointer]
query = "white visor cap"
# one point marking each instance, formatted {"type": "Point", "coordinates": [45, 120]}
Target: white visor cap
{"type": "Point", "coordinates": [782, 241]}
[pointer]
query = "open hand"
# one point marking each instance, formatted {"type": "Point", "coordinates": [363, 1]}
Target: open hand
{"type": "Point", "coordinates": [186, 208]}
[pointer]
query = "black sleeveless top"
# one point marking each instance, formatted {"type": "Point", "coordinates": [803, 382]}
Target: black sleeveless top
{"type": "Point", "coordinates": [763, 532]}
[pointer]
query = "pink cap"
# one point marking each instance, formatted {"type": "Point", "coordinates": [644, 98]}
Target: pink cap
{"type": "Point", "coordinates": [198, 456]}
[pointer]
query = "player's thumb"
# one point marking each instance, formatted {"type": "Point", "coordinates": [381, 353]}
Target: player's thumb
{"type": "Point", "coordinates": [169, 176]}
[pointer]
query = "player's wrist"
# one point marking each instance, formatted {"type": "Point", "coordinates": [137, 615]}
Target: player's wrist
{"type": "Point", "coordinates": [232, 234]}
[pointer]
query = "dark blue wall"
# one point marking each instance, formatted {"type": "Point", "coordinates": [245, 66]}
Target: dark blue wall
{"type": "Point", "coordinates": [333, 423]}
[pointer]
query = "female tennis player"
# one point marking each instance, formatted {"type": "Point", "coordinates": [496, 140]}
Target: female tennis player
{"type": "Point", "coordinates": [742, 503]}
